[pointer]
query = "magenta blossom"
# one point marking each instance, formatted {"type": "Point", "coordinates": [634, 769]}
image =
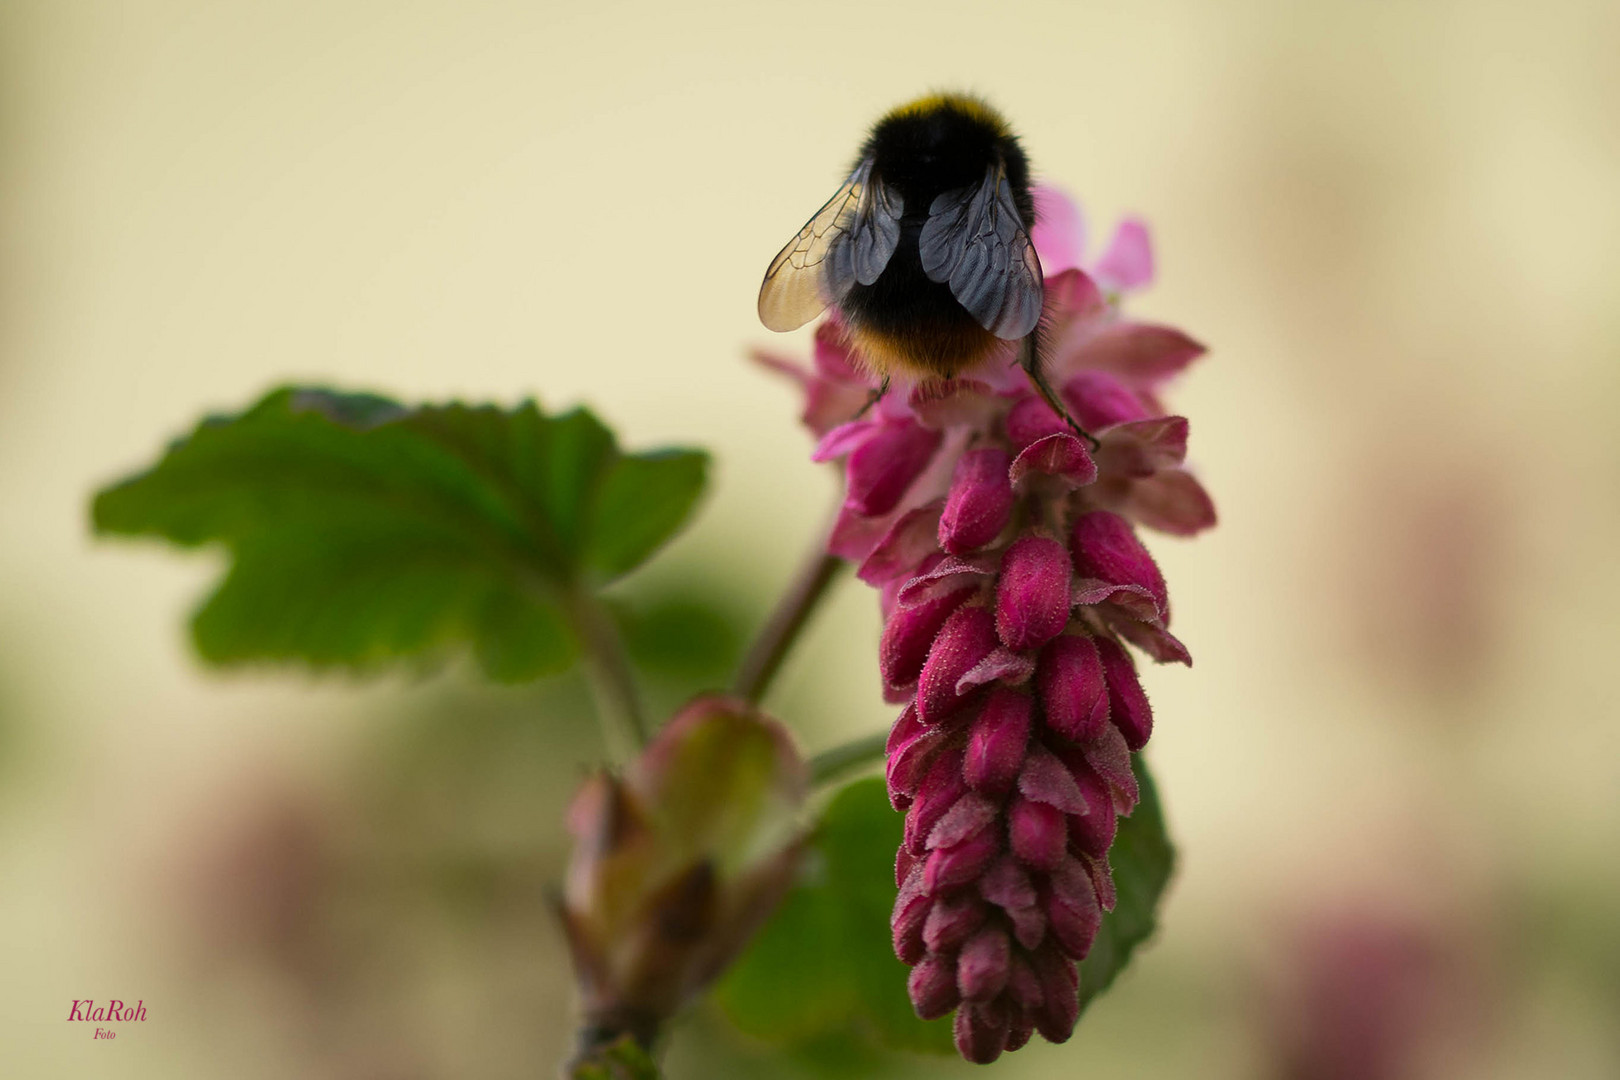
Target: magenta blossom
{"type": "Point", "coordinates": [1011, 578]}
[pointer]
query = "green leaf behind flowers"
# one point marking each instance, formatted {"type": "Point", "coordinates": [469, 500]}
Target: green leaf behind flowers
{"type": "Point", "coordinates": [362, 532]}
{"type": "Point", "coordinates": [823, 970]}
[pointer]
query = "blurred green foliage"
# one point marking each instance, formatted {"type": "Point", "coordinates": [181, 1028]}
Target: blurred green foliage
{"type": "Point", "coordinates": [362, 532]}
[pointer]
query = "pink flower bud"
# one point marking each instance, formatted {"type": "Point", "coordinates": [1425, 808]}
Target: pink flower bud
{"type": "Point", "coordinates": [1022, 1027]}
{"type": "Point", "coordinates": [1006, 884]}
{"type": "Point", "coordinates": [909, 634]}
{"type": "Point", "coordinates": [1072, 912]}
{"type": "Point", "coordinates": [911, 754]}
{"type": "Point", "coordinates": [932, 986]}
{"type": "Point", "coordinates": [1105, 547]}
{"type": "Point", "coordinates": [1093, 831]}
{"type": "Point", "coordinates": [1032, 597]}
{"type": "Point", "coordinates": [952, 920]}
{"type": "Point", "coordinates": [967, 637]}
{"type": "Point", "coordinates": [1037, 832]}
{"type": "Point", "coordinates": [1127, 703]}
{"type": "Point", "coordinates": [1023, 985]}
{"type": "Point", "coordinates": [883, 467]}
{"type": "Point", "coordinates": [1073, 690]}
{"type": "Point", "coordinates": [962, 864]}
{"type": "Point", "coordinates": [979, 503]}
{"type": "Point", "coordinates": [941, 786]}
{"type": "Point", "coordinates": [980, 1030]}
{"type": "Point", "coordinates": [911, 912]}
{"type": "Point", "coordinates": [982, 966]}
{"type": "Point", "coordinates": [997, 741]}
{"type": "Point", "coordinates": [1060, 994]}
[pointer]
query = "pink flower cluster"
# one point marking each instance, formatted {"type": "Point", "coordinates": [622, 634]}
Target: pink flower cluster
{"type": "Point", "coordinates": [1011, 576]}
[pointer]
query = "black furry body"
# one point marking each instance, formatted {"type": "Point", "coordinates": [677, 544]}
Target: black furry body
{"type": "Point", "coordinates": [921, 152]}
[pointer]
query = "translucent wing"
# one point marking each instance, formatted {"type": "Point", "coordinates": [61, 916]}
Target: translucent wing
{"type": "Point", "coordinates": [975, 240]}
{"type": "Point", "coordinates": [849, 240]}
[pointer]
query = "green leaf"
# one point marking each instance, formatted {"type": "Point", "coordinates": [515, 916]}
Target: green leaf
{"type": "Point", "coordinates": [824, 965]}
{"type": "Point", "coordinates": [1143, 861]}
{"type": "Point", "coordinates": [363, 532]}
{"type": "Point", "coordinates": [824, 968]}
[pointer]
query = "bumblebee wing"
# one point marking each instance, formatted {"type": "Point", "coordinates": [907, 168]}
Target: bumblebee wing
{"type": "Point", "coordinates": [849, 240]}
{"type": "Point", "coordinates": [975, 239]}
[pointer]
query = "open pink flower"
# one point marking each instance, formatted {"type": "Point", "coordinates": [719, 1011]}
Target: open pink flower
{"type": "Point", "coordinates": [1011, 577]}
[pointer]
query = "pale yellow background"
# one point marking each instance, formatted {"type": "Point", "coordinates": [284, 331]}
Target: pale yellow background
{"type": "Point", "coordinates": [1397, 225]}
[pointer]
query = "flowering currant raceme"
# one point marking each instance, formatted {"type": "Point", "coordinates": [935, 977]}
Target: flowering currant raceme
{"type": "Point", "coordinates": [1011, 578]}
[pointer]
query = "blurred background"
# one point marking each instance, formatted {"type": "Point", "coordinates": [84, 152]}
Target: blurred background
{"type": "Point", "coordinates": [1394, 772]}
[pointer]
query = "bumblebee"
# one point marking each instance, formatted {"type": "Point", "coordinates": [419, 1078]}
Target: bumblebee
{"type": "Point", "coordinates": [925, 249]}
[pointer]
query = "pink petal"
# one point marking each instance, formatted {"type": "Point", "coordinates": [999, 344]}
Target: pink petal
{"type": "Point", "coordinates": [1061, 455]}
{"type": "Point", "coordinates": [966, 816]}
{"type": "Point", "coordinates": [951, 572]}
{"type": "Point", "coordinates": [854, 535]}
{"type": "Point", "coordinates": [1100, 400]}
{"type": "Point", "coordinates": [1002, 665]}
{"type": "Point", "coordinates": [1135, 600]}
{"type": "Point", "coordinates": [1102, 879]}
{"type": "Point", "coordinates": [1109, 757]}
{"type": "Point", "coordinates": [908, 762]}
{"type": "Point", "coordinates": [833, 358]}
{"type": "Point", "coordinates": [1171, 501]}
{"type": "Point", "coordinates": [843, 439]}
{"type": "Point", "coordinates": [1141, 448]}
{"type": "Point", "coordinates": [1145, 354]}
{"type": "Point", "coordinates": [980, 500]}
{"type": "Point", "coordinates": [1046, 779]}
{"type": "Point", "coordinates": [903, 548]}
{"type": "Point", "coordinates": [1032, 595]}
{"type": "Point", "coordinates": [1073, 295]}
{"type": "Point", "coordinates": [939, 403]}
{"type": "Point", "coordinates": [881, 469]}
{"type": "Point", "coordinates": [1072, 687]}
{"type": "Point", "coordinates": [1106, 547]}
{"type": "Point", "coordinates": [1156, 641]}
{"type": "Point", "coordinates": [1128, 262]}
{"type": "Point", "coordinates": [1059, 234]}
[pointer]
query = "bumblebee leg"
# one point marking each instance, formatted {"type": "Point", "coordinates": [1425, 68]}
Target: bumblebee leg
{"type": "Point", "coordinates": [1029, 358]}
{"type": "Point", "coordinates": [877, 396]}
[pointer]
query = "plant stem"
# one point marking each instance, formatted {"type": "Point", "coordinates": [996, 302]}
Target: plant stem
{"type": "Point", "coordinates": [771, 647]}
{"type": "Point", "coordinates": [607, 670]}
{"type": "Point", "coordinates": [831, 764]}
